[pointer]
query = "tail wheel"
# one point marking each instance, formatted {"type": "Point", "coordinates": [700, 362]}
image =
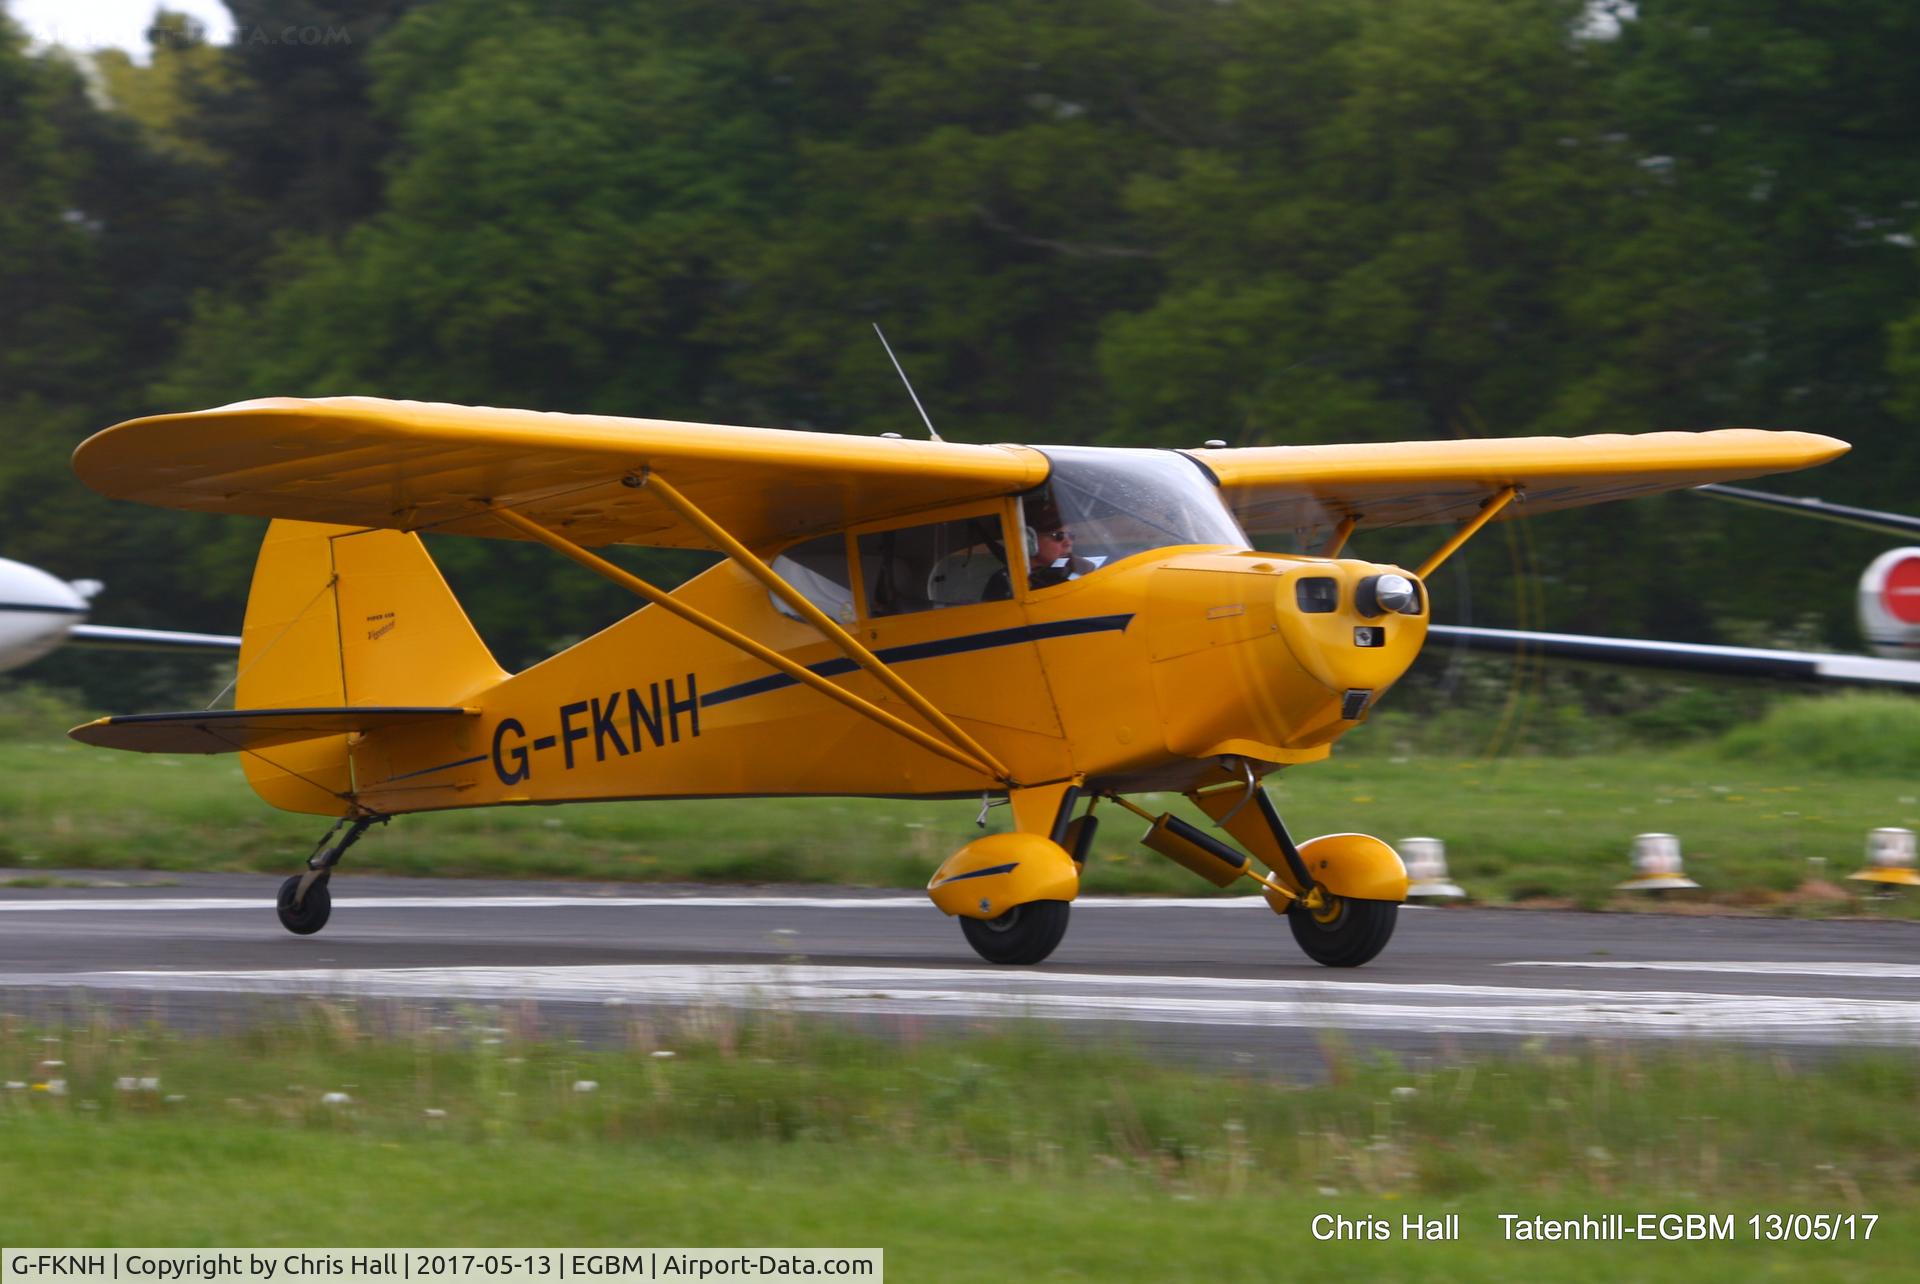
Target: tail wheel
{"type": "Point", "coordinates": [1343, 932]}
{"type": "Point", "coordinates": [1024, 934]}
{"type": "Point", "coordinates": [311, 914]}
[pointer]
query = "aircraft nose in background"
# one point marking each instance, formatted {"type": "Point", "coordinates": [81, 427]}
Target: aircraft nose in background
{"type": "Point", "coordinates": [1889, 597]}
{"type": "Point", "coordinates": [36, 611]}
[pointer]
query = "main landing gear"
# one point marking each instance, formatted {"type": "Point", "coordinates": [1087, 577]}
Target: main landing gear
{"type": "Point", "coordinates": [1340, 932]}
{"type": "Point", "coordinates": [304, 903]}
{"type": "Point", "coordinates": [1024, 934]}
{"type": "Point", "coordinates": [1011, 891]}
{"type": "Point", "coordinates": [1340, 894]}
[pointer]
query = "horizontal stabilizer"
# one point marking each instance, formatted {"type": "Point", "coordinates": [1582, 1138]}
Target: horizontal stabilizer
{"type": "Point", "coordinates": [234, 730]}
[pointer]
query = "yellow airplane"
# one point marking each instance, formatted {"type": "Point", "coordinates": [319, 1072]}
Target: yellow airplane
{"type": "Point", "coordinates": [893, 618]}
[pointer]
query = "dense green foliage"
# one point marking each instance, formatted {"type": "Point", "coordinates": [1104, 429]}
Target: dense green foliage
{"type": "Point", "coordinates": [1101, 220]}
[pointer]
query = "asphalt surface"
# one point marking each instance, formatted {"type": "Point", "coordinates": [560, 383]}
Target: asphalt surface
{"type": "Point", "coordinates": [1183, 978]}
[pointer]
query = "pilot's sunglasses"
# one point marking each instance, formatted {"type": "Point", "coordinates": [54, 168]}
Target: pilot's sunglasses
{"type": "Point", "coordinates": [1062, 533]}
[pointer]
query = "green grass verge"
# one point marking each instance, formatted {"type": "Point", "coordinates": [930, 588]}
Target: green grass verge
{"type": "Point", "coordinates": [1855, 731]}
{"type": "Point", "coordinates": [1010, 1154]}
{"type": "Point", "coordinates": [1756, 832]}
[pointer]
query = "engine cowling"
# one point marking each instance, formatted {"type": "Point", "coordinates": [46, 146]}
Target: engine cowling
{"type": "Point", "coordinates": [1273, 658]}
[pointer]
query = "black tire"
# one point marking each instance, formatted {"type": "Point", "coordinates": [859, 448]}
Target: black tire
{"type": "Point", "coordinates": [1345, 933]}
{"type": "Point", "coordinates": [310, 915]}
{"type": "Point", "coordinates": [1024, 934]}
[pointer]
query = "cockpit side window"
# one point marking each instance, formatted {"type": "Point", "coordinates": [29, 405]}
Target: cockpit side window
{"type": "Point", "coordinates": [818, 569]}
{"type": "Point", "coordinates": [924, 568]}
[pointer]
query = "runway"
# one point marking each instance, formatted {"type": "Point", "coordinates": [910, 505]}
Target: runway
{"type": "Point", "coordinates": [1182, 976]}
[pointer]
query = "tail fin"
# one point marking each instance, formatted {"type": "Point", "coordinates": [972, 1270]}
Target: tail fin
{"type": "Point", "coordinates": [343, 615]}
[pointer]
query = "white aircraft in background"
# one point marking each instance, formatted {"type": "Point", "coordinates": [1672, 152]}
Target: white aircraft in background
{"type": "Point", "coordinates": [39, 612]}
{"type": "Point", "coordinates": [1889, 606]}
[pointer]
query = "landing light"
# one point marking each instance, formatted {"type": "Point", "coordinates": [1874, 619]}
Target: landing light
{"type": "Point", "coordinates": [1381, 594]}
{"type": "Point", "coordinates": [1394, 592]}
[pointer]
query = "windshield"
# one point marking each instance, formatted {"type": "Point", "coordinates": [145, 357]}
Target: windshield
{"type": "Point", "coordinates": [1103, 504]}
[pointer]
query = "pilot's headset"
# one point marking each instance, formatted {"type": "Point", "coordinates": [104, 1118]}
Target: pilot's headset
{"type": "Point", "coordinates": [1036, 516]}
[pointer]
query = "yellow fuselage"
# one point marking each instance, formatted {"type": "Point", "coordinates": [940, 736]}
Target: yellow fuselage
{"type": "Point", "coordinates": [1144, 674]}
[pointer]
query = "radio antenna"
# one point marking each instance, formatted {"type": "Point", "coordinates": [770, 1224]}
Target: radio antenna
{"type": "Point", "coordinates": [931, 431]}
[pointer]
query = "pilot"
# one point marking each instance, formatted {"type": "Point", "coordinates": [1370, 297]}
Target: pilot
{"type": "Point", "coordinates": [1053, 559]}
{"type": "Point", "coordinates": [1050, 556]}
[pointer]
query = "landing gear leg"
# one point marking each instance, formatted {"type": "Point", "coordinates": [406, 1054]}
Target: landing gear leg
{"type": "Point", "coordinates": [304, 903]}
{"type": "Point", "coordinates": [1335, 931]}
{"type": "Point", "coordinates": [1343, 929]}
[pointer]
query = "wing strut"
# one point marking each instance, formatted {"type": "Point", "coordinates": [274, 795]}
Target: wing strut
{"type": "Point", "coordinates": [855, 650]}
{"type": "Point", "coordinates": [733, 637]}
{"type": "Point", "coordinates": [1488, 511]}
{"type": "Point", "coordinates": [1340, 535]}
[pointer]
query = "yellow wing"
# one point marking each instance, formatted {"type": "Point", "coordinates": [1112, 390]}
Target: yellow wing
{"type": "Point", "coordinates": [1299, 488]}
{"type": "Point", "coordinates": [411, 465]}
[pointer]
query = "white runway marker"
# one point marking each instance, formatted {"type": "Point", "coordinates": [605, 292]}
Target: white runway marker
{"type": "Point", "coordinates": [974, 993]}
{"type": "Point", "coordinates": [1859, 971]}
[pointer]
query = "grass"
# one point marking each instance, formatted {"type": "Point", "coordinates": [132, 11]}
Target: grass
{"type": "Point", "coordinates": [1772, 814]}
{"type": "Point", "coordinates": [1010, 1153]}
{"type": "Point", "coordinates": [1754, 831]}
{"type": "Point", "coordinates": [1856, 731]}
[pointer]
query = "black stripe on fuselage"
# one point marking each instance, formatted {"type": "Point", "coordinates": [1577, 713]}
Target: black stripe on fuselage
{"type": "Point", "coordinates": [42, 608]}
{"type": "Point", "coordinates": [929, 650]}
{"type": "Point", "coordinates": [891, 655]}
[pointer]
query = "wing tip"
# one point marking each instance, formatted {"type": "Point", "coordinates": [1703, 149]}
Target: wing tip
{"type": "Point", "coordinates": [1825, 448]}
{"type": "Point", "coordinates": [101, 733]}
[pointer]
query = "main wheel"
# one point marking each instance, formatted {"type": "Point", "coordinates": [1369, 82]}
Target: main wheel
{"type": "Point", "coordinates": [1024, 934]}
{"type": "Point", "coordinates": [1343, 932]}
{"type": "Point", "coordinates": [311, 914]}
